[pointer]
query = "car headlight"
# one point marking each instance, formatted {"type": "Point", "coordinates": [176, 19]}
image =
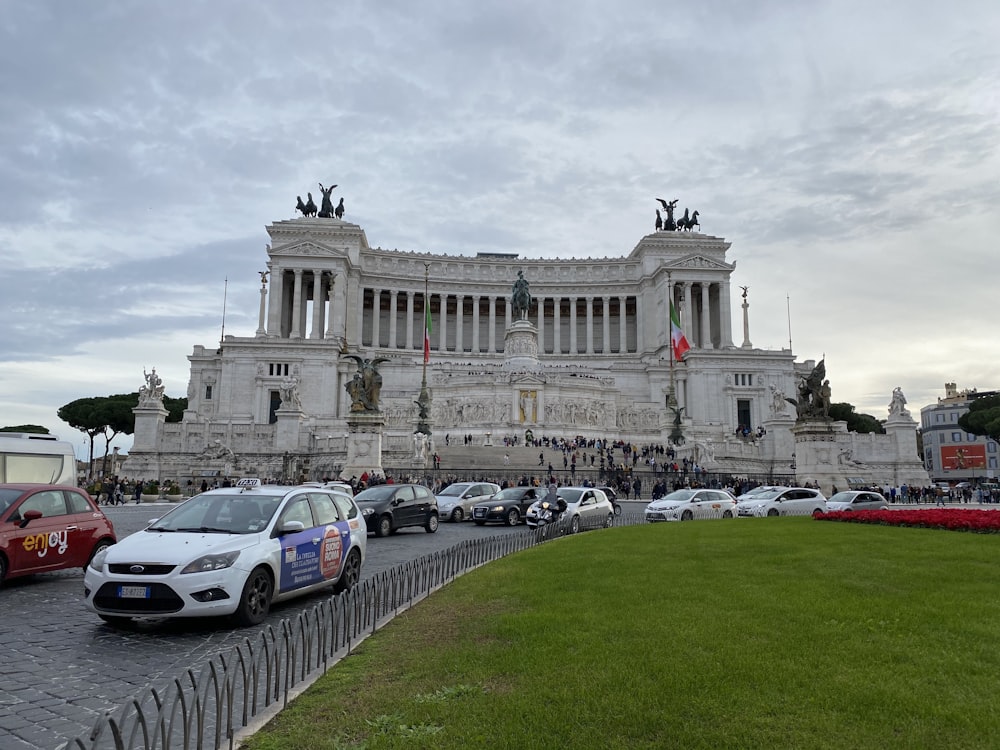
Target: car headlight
{"type": "Point", "coordinates": [207, 563]}
{"type": "Point", "coordinates": [497, 509]}
{"type": "Point", "coordinates": [97, 562]}
{"type": "Point", "coordinates": [367, 511]}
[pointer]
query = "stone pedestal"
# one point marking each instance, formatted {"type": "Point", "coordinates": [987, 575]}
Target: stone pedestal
{"type": "Point", "coordinates": [287, 429]}
{"type": "Point", "coordinates": [520, 347]}
{"type": "Point", "coordinates": [149, 418]}
{"type": "Point", "coordinates": [908, 468]}
{"type": "Point", "coordinates": [364, 444]}
{"type": "Point", "coordinates": [817, 451]}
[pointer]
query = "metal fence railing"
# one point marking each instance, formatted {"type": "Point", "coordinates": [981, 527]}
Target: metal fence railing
{"type": "Point", "coordinates": [215, 705]}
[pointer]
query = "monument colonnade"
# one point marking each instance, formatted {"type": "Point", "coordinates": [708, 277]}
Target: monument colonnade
{"type": "Point", "coordinates": [315, 304]}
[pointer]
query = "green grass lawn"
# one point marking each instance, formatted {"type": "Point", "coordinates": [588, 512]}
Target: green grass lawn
{"type": "Point", "coordinates": [750, 633]}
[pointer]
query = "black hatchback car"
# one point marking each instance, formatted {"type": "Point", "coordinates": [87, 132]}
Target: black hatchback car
{"type": "Point", "coordinates": [507, 506]}
{"type": "Point", "coordinates": [390, 507]}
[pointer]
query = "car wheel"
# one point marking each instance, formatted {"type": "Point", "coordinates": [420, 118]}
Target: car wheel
{"type": "Point", "coordinates": [574, 525]}
{"type": "Point", "coordinates": [99, 547]}
{"type": "Point", "coordinates": [115, 621]}
{"type": "Point", "coordinates": [687, 516]}
{"type": "Point", "coordinates": [457, 515]}
{"type": "Point", "coordinates": [3, 569]}
{"type": "Point", "coordinates": [610, 521]}
{"type": "Point", "coordinates": [817, 513]}
{"type": "Point", "coordinates": [384, 526]}
{"type": "Point", "coordinates": [255, 602]}
{"type": "Point", "coordinates": [513, 517]}
{"type": "Point", "coordinates": [772, 512]}
{"type": "Point", "coordinates": [618, 509]}
{"type": "Point", "coordinates": [727, 514]}
{"type": "Point", "coordinates": [432, 523]}
{"type": "Point", "coordinates": [351, 573]}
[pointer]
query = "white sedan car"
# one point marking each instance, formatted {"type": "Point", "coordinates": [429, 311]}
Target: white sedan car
{"type": "Point", "coordinates": [688, 505]}
{"type": "Point", "coordinates": [456, 500]}
{"type": "Point", "coordinates": [781, 501]}
{"type": "Point", "coordinates": [231, 551]}
{"type": "Point", "coordinates": [857, 500]}
{"type": "Point", "coordinates": [586, 508]}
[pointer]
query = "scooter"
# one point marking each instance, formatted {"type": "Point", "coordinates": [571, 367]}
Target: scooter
{"type": "Point", "coordinates": [550, 514]}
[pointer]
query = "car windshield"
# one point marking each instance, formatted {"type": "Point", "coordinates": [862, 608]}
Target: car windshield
{"type": "Point", "coordinates": [678, 496]}
{"type": "Point", "coordinates": [220, 514]}
{"type": "Point", "coordinates": [569, 494]}
{"type": "Point", "coordinates": [511, 493]}
{"type": "Point", "coordinates": [453, 490]}
{"type": "Point", "coordinates": [770, 494]}
{"type": "Point", "coordinates": [842, 497]}
{"type": "Point", "coordinates": [376, 494]}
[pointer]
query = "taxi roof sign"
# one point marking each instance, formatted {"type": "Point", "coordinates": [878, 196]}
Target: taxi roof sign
{"type": "Point", "coordinates": [248, 482]}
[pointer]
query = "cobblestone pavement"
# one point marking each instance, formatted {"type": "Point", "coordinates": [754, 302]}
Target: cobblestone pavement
{"type": "Point", "coordinates": [61, 666]}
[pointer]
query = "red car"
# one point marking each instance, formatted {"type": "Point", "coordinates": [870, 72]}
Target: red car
{"type": "Point", "coordinates": [46, 527]}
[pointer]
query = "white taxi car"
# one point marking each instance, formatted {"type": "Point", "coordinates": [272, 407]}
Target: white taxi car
{"type": "Point", "coordinates": [687, 505]}
{"type": "Point", "coordinates": [781, 501]}
{"type": "Point", "coordinates": [231, 551]}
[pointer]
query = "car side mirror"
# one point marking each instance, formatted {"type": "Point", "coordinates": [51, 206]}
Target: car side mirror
{"type": "Point", "coordinates": [30, 515]}
{"type": "Point", "coordinates": [289, 527]}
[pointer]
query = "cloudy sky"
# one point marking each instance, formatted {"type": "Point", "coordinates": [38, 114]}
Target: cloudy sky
{"type": "Point", "coordinates": [850, 151]}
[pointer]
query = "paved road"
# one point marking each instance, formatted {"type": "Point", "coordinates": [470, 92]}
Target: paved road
{"type": "Point", "coordinates": [61, 666]}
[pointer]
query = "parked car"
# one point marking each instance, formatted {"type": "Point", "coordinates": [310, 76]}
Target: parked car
{"type": "Point", "coordinates": [857, 500]}
{"type": "Point", "coordinates": [231, 551]}
{"type": "Point", "coordinates": [456, 500]}
{"type": "Point", "coordinates": [387, 508]}
{"type": "Point", "coordinates": [508, 506]}
{"type": "Point", "coordinates": [687, 505]}
{"type": "Point", "coordinates": [45, 527]}
{"type": "Point", "coordinates": [586, 508]}
{"type": "Point", "coordinates": [782, 501]}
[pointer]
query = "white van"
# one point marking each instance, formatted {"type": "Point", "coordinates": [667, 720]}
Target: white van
{"type": "Point", "coordinates": [42, 459]}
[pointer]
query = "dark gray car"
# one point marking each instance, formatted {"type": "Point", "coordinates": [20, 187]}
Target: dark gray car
{"type": "Point", "coordinates": [390, 507]}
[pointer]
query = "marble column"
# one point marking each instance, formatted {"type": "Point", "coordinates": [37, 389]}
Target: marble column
{"type": "Point", "coordinates": [317, 321]}
{"type": "Point", "coordinates": [459, 320]}
{"type": "Point", "coordinates": [297, 306]}
{"type": "Point", "coordinates": [492, 338]}
{"type": "Point", "coordinates": [687, 316]}
{"type": "Point", "coordinates": [572, 325]}
{"type": "Point", "coordinates": [590, 325]}
{"type": "Point", "coordinates": [556, 323]}
{"type": "Point", "coordinates": [376, 318]}
{"type": "Point", "coordinates": [606, 308]}
{"type": "Point", "coordinates": [725, 316]}
{"type": "Point", "coordinates": [409, 320]}
{"type": "Point", "coordinates": [475, 323]}
{"type": "Point", "coordinates": [393, 311]}
{"type": "Point", "coordinates": [541, 325]}
{"type": "Point", "coordinates": [622, 329]}
{"type": "Point", "coordinates": [508, 315]}
{"type": "Point", "coordinates": [277, 293]}
{"type": "Point", "coordinates": [263, 306]}
{"type": "Point", "coordinates": [331, 318]}
{"type": "Point", "coordinates": [443, 319]}
{"type": "Point", "coordinates": [706, 318]}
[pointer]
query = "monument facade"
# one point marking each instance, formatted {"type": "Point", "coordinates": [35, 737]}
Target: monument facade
{"type": "Point", "coordinates": [585, 353]}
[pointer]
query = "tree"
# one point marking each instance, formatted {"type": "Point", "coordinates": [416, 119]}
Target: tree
{"type": "Point", "coordinates": [862, 423]}
{"type": "Point", "coordinates": [983, 417]}
{"type": "Point", "coordinates": [35, 429]}
{"type": "Point", "coordinates": [175, 408]}
{"type": "Point", "coordinates": [86, 415]}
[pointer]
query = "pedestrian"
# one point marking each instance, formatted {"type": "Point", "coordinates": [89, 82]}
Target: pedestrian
{"type": "Point", "coordinates": [137, 491]}
{"type": "Point", "coordinates": [506, 459]}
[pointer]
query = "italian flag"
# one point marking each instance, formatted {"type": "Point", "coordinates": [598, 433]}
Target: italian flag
{"type": "Point", "coordinates": [427, 332]}
{"type": "Point", "coordinates": [677, 338]}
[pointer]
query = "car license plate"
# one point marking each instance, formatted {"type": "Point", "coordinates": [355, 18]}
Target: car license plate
{"type": "Point", "coordinates": [133, 592]}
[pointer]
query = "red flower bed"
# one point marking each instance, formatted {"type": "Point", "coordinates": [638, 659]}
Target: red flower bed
{"type": "Point", "coordinates": [952, 519]}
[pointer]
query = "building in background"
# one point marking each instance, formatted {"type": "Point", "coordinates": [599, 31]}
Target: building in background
{"type": "Point", "coordinates": [950, 453]}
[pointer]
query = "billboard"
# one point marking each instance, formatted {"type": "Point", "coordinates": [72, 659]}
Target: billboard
{"type": "Point", "coordinates": [959, 457]}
